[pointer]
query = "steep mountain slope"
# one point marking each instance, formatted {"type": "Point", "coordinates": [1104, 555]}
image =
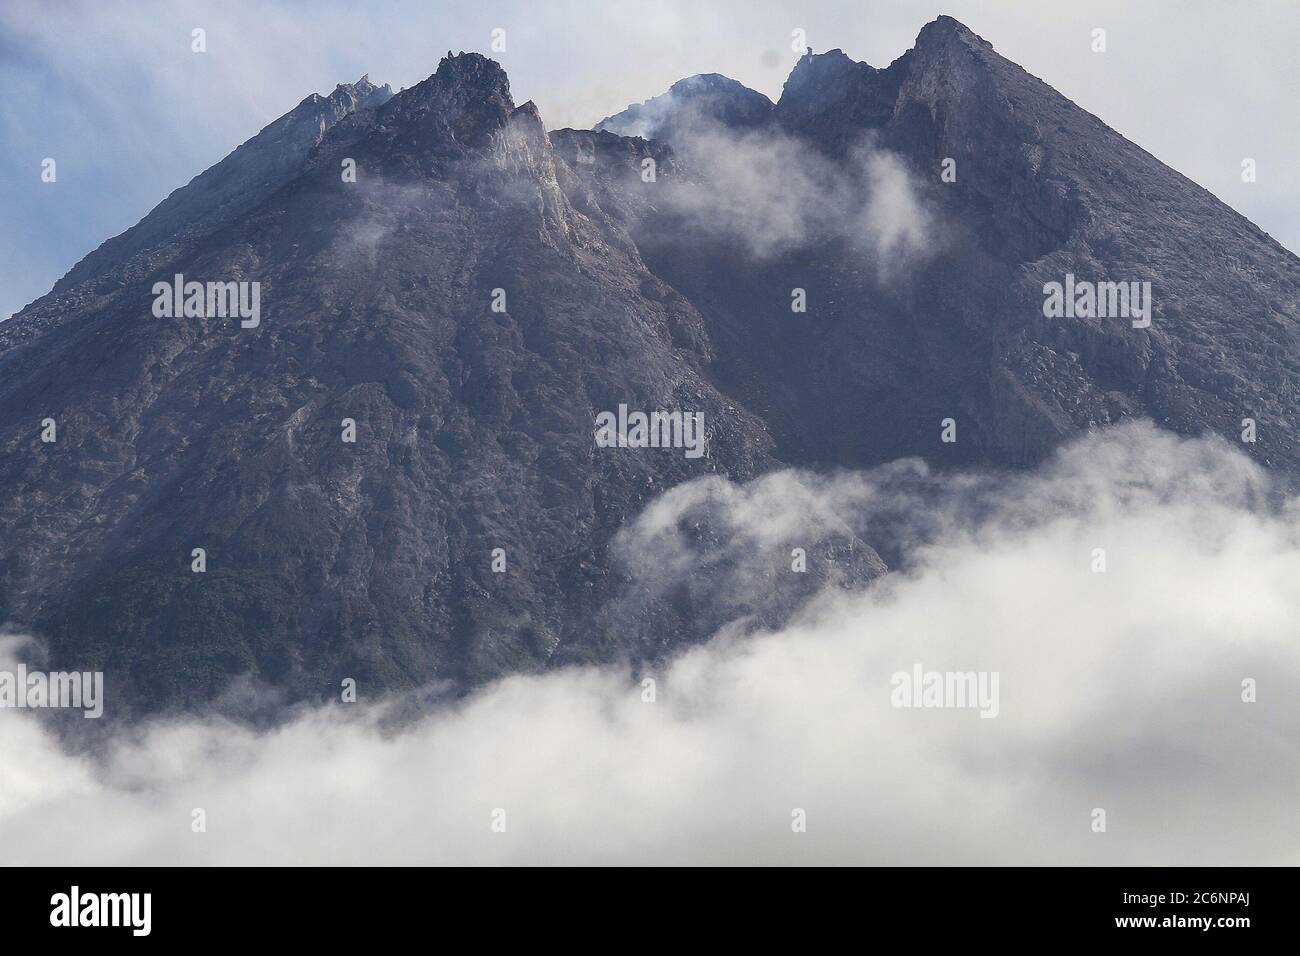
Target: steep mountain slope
{"type": "Point", "coordinates": [474, 428]}
{"type": "Point", "coordinates": [484, 290]}
{"type": "Point", "coordinates": [216, 196]}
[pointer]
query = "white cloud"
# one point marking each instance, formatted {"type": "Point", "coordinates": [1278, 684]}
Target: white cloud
{"type": "Point", "coordinates": [769, 193]}
{"type": "Point", "coordinates": [1118, 690]}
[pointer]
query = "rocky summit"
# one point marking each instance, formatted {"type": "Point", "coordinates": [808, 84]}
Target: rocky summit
{"type": "Point", "coordinates": [481, 349]}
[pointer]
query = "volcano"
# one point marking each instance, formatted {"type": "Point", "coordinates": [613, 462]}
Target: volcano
{"type": "Point", "coordinates": [394, 474]}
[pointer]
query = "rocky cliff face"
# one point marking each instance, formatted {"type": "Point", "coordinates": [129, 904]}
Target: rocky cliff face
{"type": "Point", "coordinates": [484, 290]}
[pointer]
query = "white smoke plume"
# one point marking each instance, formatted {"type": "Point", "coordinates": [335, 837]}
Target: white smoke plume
{"type": "Point", "coordinates": [772, 193]}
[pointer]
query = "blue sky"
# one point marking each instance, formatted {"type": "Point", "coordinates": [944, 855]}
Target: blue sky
{"type": "Point", "coordinates": [113, 92]}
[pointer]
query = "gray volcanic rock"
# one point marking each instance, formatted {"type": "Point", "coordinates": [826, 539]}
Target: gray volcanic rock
{"type": "Point", "coordinates": [1043, 189]}
{"type": "Point", "coordinates": [476, 427]}
{"type": "Point", "coordinates": [606, 181]}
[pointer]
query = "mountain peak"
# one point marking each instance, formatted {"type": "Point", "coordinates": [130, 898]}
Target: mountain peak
{"type": "Point", "coordinates": [705, 97]}
{"type": "Point", "coordinates": [819, 76]}
{"type": "Point", "coordinates": [817, 71]}
{"type": "Point", "coordinates": [464, 81]}
{"type": "Point", "coordinates": [944, 37]}
{"type": "Point", "coordinates": [473, 70]}
{"type": "Point", "coordinates": [944, 26]}
{"type": "Point", "coordinates": [467, 99]}
{"type": "Point", "coordinates": [362, 94]}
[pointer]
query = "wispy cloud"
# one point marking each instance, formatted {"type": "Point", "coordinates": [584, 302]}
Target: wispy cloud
{"type": "Point", "coordinates": [770, 193]}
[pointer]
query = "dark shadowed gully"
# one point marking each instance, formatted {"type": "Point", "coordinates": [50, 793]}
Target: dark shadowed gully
{"type": "Point", "coordinates": [800, 278]}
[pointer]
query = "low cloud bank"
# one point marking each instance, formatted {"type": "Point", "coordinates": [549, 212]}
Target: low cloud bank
{"type": "Point", "coordinates": [1119, 690]}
